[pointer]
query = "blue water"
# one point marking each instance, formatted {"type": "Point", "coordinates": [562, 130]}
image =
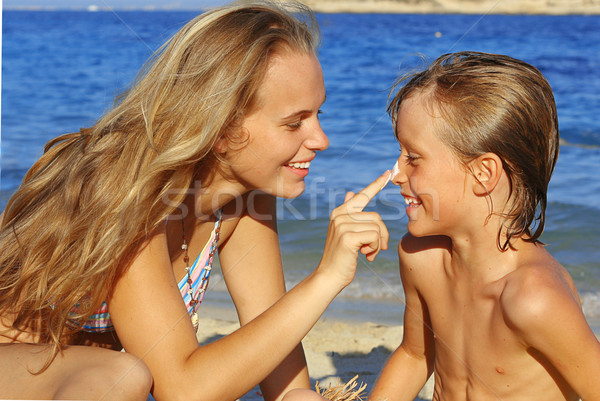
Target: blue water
{"type": "Point", "coordinates": [61, 70]}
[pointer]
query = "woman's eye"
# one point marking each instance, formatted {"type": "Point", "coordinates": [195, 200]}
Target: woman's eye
{"type": "Point", "coordinates": [295, 125]}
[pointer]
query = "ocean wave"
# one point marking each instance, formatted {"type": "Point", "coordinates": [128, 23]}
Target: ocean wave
{"type": "Point", "coordinates": [590, 302]}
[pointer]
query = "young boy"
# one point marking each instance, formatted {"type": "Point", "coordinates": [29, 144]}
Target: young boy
{"type": "Point", "coordinates": [488, 310]}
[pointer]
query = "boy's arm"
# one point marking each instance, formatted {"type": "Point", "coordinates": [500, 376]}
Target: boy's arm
{"type": "Point", "coordinates": [409, 367]}
{"type": "Point", "coordinates": [548, 317]}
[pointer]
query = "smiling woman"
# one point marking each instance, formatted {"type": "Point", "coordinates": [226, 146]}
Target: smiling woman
{"type": "Point", "coordinates": [283, 130]}
{"type": "Point", "coordinates": [98, 243]}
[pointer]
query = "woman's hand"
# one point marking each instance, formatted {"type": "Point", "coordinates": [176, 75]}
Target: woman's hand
{"type": "Point", "coordinates": [351, 230]}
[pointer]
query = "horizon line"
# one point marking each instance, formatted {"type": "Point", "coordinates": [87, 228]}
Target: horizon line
{"type": "Point", "coordinates": [93, 8]}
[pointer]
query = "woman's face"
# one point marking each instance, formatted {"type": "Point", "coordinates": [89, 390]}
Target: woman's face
{"type": "Point", "coordinates": [283, 131]}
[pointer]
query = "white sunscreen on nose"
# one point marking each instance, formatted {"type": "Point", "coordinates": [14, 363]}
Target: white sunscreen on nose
{"type": "Point", "coordinates": [395, 171]}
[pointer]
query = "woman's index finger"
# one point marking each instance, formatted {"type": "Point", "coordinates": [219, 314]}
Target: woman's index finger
{"type": "Point", "coordinates": [362, 198]}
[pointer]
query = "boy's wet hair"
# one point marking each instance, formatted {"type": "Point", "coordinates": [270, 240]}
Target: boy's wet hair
{"type": "Point", "coordinates": [495, 103]}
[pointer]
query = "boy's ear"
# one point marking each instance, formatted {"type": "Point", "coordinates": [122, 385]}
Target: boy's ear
{"type": "Point", "coordinates": [487, 170]}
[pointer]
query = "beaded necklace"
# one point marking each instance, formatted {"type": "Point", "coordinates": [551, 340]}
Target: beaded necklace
{"type": "Point", "coordinates": [194, 302]}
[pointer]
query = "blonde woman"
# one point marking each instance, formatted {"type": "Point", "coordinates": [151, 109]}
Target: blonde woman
{"type": "Point", "coordinates": [109, 241]}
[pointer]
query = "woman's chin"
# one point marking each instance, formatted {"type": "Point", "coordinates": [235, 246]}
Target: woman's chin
{"type": "Point", "coordinates": [292, 193]}
{"type": "Point", "coordinates": [288, 191]}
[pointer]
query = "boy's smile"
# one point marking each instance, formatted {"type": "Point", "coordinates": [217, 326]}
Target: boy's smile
{"type": "Point", "coordinates": [412, 203]}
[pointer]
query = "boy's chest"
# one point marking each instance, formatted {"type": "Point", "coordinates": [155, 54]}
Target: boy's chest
{"type": "Point", "coordinates": [477, 352]}
{"type": "Point", "coordinates": [471, 324]}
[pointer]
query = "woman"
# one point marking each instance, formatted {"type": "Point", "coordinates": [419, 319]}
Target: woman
{"type": "Point", "coordinates": [99, 242]}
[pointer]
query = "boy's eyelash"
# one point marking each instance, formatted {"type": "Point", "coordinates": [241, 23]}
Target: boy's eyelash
{"type": "Point", "coordinates": [409, 158]}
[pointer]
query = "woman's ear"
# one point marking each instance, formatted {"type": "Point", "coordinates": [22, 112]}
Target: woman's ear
{"type": "Point", "coordinates": [487, 170]}
{"type": "Point", "coordinates": [221, 145]}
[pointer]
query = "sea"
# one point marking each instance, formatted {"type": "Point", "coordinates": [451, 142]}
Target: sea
{"type": "Point", "coordinates": [62, 69]}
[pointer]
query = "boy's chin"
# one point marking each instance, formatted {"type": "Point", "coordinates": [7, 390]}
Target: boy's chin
{"type": "Point", "coordinates": [417, 230]}
{"type": "Point", "coordinates": [417, 234]}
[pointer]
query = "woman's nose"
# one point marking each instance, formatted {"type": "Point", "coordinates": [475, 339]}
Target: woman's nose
{"type": "Point", "coordinates": [317, 139]}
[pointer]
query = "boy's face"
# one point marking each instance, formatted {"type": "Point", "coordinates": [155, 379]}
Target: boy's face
{"type": "Point", "coordinates": [431, 178]}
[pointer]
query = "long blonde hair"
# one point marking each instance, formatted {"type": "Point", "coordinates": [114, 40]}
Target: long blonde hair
{"type": "Point", "coordinates": [86, 206]}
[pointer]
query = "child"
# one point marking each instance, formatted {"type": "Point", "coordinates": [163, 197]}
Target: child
{"type": "Point", "coordinates": [488, 310]}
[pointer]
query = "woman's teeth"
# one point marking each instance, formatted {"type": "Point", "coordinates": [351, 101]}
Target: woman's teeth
{"type": "Point", "coordinates": [300, 165]}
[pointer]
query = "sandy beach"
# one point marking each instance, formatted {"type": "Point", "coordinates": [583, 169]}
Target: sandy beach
{"type": "Point", "coordinates": [336, 350]}
{"type": "Point", "coordinates": [550, 7]}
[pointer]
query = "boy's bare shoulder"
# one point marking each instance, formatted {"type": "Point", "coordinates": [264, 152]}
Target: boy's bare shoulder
{"type": "Point", "coordinates": [538, 292]}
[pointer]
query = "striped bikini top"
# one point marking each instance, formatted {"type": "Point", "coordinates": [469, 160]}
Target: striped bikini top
{"type": "Point", "coordinates": [100, 321]}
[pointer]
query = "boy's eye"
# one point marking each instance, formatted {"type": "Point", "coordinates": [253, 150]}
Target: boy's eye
{"type": "Point", "coordinates": [411, 158]}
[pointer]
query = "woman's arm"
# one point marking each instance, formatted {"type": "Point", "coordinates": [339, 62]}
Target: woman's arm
{"type": "Point", "coordinates": [409, 367]}
{"type": "Point", "coordinates": [152, 322]}
{"type": "Point", "coordinates": [251, 264]}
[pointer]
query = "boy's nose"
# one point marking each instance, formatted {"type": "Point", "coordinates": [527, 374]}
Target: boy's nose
{"type": "Point", "coordinates": [396, 176]}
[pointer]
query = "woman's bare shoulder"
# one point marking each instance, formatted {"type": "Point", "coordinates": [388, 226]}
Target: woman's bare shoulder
{"type": "Point", "coordinates": [255, 207]}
